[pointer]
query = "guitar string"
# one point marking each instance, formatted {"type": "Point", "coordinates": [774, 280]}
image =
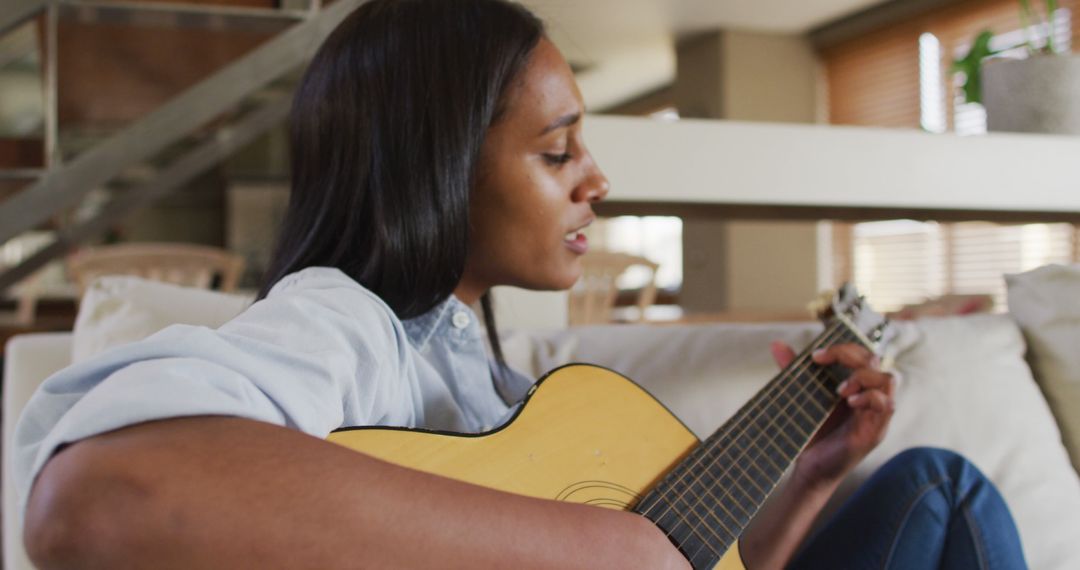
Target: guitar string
{"type": "Point", "coordinates": [772, 392]}
{"type": "Point", "coordinates": [708, 478]}
{"type": "Point", "coordinates": [784, 395]}
{"type": "Point", "coordinates": [795, 401]}
{"type": "Point", "coordinates": [693, 528]}
{"type": "Point", "coordinates": [825, 337]}
{"type": "Point", "coordinates": [754, 476]}
{"type": "Point", "coordinates": [777, 389]}
{"type": "Point", "coordinates": [683, 542]}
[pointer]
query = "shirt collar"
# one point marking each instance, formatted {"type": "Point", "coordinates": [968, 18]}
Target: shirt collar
{"type": "Point", "coordinates": [451, 318]}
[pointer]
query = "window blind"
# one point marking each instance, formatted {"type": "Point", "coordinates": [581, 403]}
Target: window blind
{"type": "Point", "coordinates": [882, 79]}
{"type": "Point", "coordinates": [902, 262]}
{"type": "Point", "coordinates": [874, 80]}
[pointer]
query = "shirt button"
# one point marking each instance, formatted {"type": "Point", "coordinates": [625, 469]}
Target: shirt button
{"type": "Point", "coordinates": [460, 320]}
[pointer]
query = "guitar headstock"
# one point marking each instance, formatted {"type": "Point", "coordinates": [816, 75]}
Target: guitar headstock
{"type": "Point", "coordinates": [851, 309]}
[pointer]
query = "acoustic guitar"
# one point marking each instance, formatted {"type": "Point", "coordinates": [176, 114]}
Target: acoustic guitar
{"type": "Point", "coordinates": [589, 435]}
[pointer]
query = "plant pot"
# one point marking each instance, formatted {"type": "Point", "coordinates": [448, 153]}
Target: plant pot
{"type": "Point", "coordinates": [1036, 95]}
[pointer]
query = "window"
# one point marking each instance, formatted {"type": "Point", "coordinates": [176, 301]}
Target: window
{"type": "Point", "coordinates": [900, 76]}
{"type": "Point", "coordinates": [897, 263]}
{"type": "Point", "coordinates": [970, 118]}
{"type": "Point", "coordinates": [657, 238]}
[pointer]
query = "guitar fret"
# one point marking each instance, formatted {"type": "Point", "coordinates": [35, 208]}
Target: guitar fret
{"type": "Point", "coordinates": [763, 486]}
{"type": "Point", "coordinates": [822, 383]}
{"type": "Point", "coordinates": [703, 558]}
{"type": "Point", "coordinates": [724, 486]}
{"type": "Point", "coordinates": [730, 481]}
{"type": "Point", "coordinates": [806, 421]}
{"type": "Point", "coordinates": [823, 396]}
{"type": "Point", "coordinates": [770, 443]}
{"type": "Point", "coordinates": [784, 444]}
{"type": "Point", "coordinates": [805, 396]}
{"type": "Point", "coordinates": [785, 428]}
{"type": "Point", "coordinates": [745, 443]}
{"type": "Point", "coordinates": [734, 520]}
{"type": "Point", "coordinates": [709, 498]}
{"type": "Point", "coordinates": [763, 453]}
{"type": "Point", "coordinates": [725, 492]}
{"type": "Point", "coordinates": [672, 529]}
{"type": "Point", "coordinates": [754, 496]}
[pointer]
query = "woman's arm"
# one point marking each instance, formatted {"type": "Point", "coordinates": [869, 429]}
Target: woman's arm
{"type": "Point", "coordinates": [855, 428]}
{"type": "Point", "coordinates": [777, 531]}
{"type": "Point", "coordinates": [217, 492]}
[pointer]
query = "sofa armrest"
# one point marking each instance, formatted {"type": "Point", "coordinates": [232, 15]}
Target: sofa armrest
{"type": "Point", "coordinates": [28, 360]}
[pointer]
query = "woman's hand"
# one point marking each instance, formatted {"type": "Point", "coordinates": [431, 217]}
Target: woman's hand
{"type": "Point", "coordinates": [858, 423]}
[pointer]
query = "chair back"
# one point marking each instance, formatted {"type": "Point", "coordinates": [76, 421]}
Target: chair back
{"type": "Point", "coordinates": [181, 264]}
{"type": "Point", "coordinates": [592, 299]}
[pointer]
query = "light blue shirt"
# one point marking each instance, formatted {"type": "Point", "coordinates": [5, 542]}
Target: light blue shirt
{"type": "Point", "coordinates": [318, 353]}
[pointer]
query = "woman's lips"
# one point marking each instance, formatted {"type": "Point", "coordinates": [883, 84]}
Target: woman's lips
{"type": "Point", "coordinates": [578, 244]}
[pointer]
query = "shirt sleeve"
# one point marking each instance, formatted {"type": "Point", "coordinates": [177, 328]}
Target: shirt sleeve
{"type": "Point", "coordinates": [306, 357]}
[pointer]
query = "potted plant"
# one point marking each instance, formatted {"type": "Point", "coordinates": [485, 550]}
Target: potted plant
{"type": "Point", "coordinates": [1039, 94]}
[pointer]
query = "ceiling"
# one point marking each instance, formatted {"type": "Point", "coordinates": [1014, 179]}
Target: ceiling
{"type": "Point", "coordinates": [626, 47]}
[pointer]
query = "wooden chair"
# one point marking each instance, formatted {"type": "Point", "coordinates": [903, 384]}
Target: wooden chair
{"type": "Point", "coordinates": [180, 264]}
{"type": "Point", "coordinates": [592, 299]}
{"type": "Point", "coordinates": [25, 294]}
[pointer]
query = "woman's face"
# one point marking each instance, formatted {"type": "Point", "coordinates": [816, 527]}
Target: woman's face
{"type": "Point", "coordinates": [535, 187]}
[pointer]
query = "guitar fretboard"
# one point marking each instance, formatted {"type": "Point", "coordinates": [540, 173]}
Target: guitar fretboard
{"type": "Point", "coordinates": [706, 502]}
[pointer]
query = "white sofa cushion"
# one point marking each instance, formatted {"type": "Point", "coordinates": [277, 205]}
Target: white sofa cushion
{"type": "Point", "coordinates": [1046, 303]}
{"type": "Point", "coordinates": [121, 309]}
{"type": "Point", "coordinates": [28, 359]}
{"type": "Point", "coordinates": [965, 387]}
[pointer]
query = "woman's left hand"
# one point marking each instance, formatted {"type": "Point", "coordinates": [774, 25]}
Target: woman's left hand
{"type": "Point", "coordinates": [858, 423]}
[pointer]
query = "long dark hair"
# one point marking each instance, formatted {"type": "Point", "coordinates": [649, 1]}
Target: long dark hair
{"type": "Point", "coordinates": [385, 134]}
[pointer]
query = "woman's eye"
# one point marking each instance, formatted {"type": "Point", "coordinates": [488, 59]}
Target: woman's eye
{"type": "Point", "coordinates": [558, 159]}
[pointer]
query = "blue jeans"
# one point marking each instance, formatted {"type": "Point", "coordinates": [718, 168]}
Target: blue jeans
{"type": "Point", "coordinates": [924, 509]}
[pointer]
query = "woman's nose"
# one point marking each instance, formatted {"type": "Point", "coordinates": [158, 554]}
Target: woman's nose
{"type": "Point", "coordinates": [594, 188]}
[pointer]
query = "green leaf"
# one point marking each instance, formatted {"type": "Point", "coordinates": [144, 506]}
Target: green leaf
{"type": "Point", "coordinates": [971, 66]}
{"type": "Point", "coordinates": [1051, 9]}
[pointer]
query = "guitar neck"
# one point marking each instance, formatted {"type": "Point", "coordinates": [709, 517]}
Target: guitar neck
{"type": "Point", "coordinates": [709, 498]}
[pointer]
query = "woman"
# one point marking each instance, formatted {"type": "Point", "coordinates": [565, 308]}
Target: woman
{"type": "Point", "coordinates": [437, 152]}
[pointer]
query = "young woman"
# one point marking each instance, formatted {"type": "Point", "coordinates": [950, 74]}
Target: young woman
{"type": "Point", "coordinates": [437, 152]}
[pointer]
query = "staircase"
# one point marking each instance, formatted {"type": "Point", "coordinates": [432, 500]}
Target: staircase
{"type": "Point", "coordinates": [172, 144]}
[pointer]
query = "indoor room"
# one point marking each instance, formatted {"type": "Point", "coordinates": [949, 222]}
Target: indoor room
{"type": "Point", "coordinates": [754, 253]}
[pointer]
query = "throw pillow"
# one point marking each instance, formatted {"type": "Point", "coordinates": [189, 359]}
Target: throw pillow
{"type": "Point", "coordinates": [121, 309]}
{"type": "Point", "coordinates": [1046, 304]}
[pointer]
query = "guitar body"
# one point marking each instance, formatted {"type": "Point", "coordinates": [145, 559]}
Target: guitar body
{"type": "Point", "coordinates": [584, 434]}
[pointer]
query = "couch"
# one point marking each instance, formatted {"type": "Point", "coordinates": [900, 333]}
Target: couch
{"type": "Point", "coordinates": [965, 385]}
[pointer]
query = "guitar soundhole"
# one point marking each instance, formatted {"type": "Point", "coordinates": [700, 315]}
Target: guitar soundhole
{"type": "Point", "coordinates": [600, 494]}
